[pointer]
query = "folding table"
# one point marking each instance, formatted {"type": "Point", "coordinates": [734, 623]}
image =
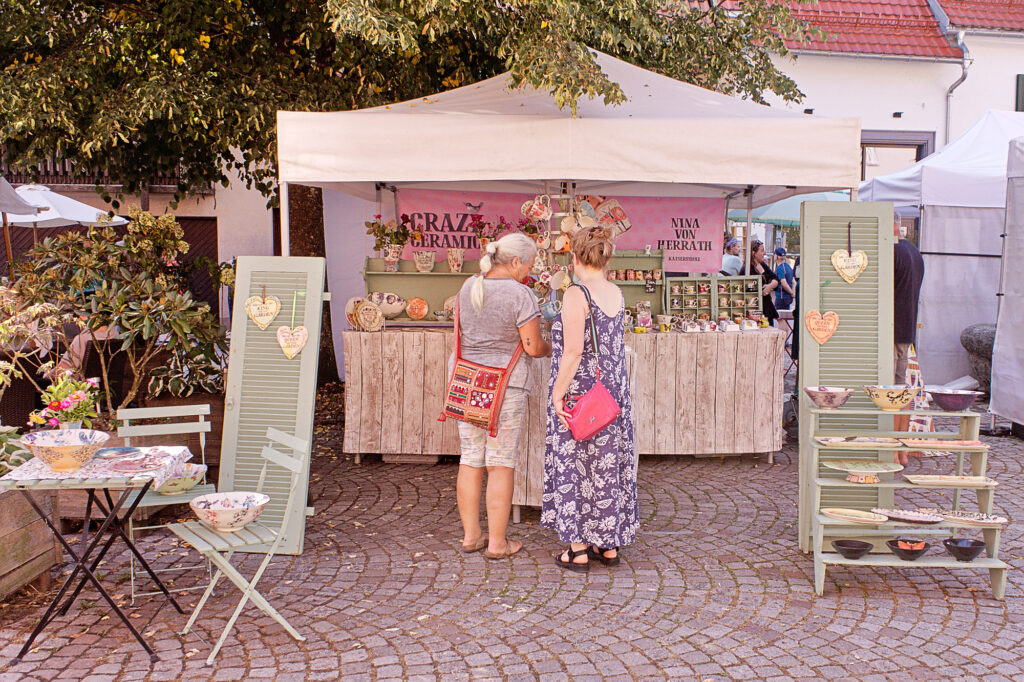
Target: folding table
{"type": "Point", "coordinates": [95, 476]}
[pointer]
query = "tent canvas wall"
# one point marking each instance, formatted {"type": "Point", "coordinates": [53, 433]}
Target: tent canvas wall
{"type": "Point", "coordinates": [961, 193]}
{"type": "Point", "coordinates": [1008, 353]}
{"type": "Point", "coordinates": [668, 139]}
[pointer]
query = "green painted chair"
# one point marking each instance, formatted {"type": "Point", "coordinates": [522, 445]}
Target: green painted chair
{"type": "Point", "coordinates": [128, 428]}
{"type": "Point", "coordinates": [218, 547]}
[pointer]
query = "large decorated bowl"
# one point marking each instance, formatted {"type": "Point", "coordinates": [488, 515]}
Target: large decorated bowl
{"type": "Point", "coordinates": [190, 476]}
{"type": "Point", "coordinates": [891, 398]}
{"type": "Point", "coordinates": [229, 512]}
{"type": "Point", "coordinates": [828, 397]}
{"type": "Point", "coordinates": [65, 449]}
{"type": "Point", "coordinates": [952, 400]}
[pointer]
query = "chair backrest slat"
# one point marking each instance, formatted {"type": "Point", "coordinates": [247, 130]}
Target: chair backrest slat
{"type": "Point", "coordinates": [293, 463]}
{"type": "Point", "coordinates": [288, 440]}
{"type": "Point", "coordinates": [161, 412]}
{"type": "Point", "coordinates": [163, 429]}
{"type": "Point", "coordinates": [199, 425]}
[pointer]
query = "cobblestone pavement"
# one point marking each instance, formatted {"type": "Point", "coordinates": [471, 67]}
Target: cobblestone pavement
{"type": "Point", "coordinates": [715, 588]}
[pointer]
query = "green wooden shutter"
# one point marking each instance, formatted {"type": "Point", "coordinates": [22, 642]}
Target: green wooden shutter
{"type": "Point", "coordinates": [861, 350]}
{"type": "Point", "coordinates": [264, 388]}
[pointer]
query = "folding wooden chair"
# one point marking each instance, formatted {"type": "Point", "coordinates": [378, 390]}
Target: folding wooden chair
{"type": "Point", "coordinates": [127, 430]}
{"type": "Point", "coordinates": [218, 547]}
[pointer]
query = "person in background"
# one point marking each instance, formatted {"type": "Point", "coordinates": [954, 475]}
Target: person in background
{"type": "Point", "coordinates": [590, 494]}
{"type": "Point", "coordinates": [787, 282]}
{"type": "Point", "coordinates": [496, 313]}
{"type": "Point", "coordinates": [769, 282]}
{"type": "Point", "coordinates": [731, 261]}
{"type": "Point", "coordinates": [908, 273]}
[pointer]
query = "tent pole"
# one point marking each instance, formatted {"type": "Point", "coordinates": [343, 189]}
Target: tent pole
{"type": "Point", "coordinates": [749, 229]}
{"type": "Point", "coordinates": [285, 227]}
{"type": "Point", "coordinates": [7, 243]}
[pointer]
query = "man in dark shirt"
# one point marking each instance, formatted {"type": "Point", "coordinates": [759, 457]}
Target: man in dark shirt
{"type": "Point", "coordinates": [908, 272]}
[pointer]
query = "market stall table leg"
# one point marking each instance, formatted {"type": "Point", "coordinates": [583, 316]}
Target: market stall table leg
{"type": "Point", "coordinates": [83, 564]}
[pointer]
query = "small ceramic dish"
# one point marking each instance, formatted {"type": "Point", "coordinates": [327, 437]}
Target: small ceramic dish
{"type": "Point", "coordinates": [229, 512]}
{"type": "Point", "coordinates": [852, 549]}
{"type": "Point", "coordinates": [190, 476]}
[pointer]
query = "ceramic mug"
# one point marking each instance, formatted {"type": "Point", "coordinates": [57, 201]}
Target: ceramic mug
{"type": "Point", "coordinates": [545, 278]}
{"type": "Point", "coordinates": [657, 275]}
{"type": "Point", "coordinates": [562, 242]}
{"type": "Point", "coordinates": [704, 287]}
{"type": "Point", "coordinates": [705, 302]}
{"type": "Point", "coordinates": [544, 241]}
{"type": "Point", "coordinates": [664, 323]}
{"type": "Point", "coordinates": [723, 288]}
{"type": "Point", "coordinates": [424, 260]}
{"type": "Point", "coordinates": [691, 289]}
{"type": "Point", "coordinates": [550, 308]}
{"type": "Point", "coordinates": [723, 301]}
{"type": "Point", "coordinates": [676, 302]}
{"type": "Point", "coordinates": [676, 289]}
{"type": "Point", "coordinates": [540, 208]}
{"type": "Point", "coordinates": [558, 278]}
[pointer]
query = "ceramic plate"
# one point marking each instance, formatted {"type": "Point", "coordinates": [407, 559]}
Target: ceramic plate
{"type": "Point", "coordinates": [853, 515]}
{"type": "Point", "coordinates": [952, 481]}
{"type": "Point", "coordinates": [932, 444]}
{"type": "Point", "coordinates": [967, 518]}
{"type": "Point", "coordinates": [118, 453]}
{"type": "Point", "coordinates": [449, 303]}
{"type": "Point", "coordinates": [417, 309]}
{"type": "Point", "coordinates": [861, 466]}
{"type": "Point", "coordinates": [369, 317]}
{"type": "Point", "coordinates": [866, 442]}
{"type": "Point", "coordinates": [909, 516]}
{"type": "Point", "coordinates": [350, 311]}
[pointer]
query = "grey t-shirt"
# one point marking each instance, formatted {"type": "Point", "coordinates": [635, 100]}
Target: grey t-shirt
{"type": "Point", "coordinates": [490, 335]}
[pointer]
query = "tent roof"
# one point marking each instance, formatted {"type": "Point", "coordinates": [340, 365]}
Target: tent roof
{"type": "Point", "coordinates": [57, 210]}
{"type": "Point", "coordinates": [11, 201]}
{"type": "Point", "coordinates": [668, 139]}
{"type": "Point", "coordinates": [969, 171]}
{"type": "Point", "coordinates": [785, 213]}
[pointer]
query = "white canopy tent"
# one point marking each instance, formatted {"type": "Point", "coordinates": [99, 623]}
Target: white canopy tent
{"type": "Point", "coordinates": [960, 192]}
{"type": "Point", "coordinates": [1008, 353]}
{"type": "Point", "coordinates": [669, 139]}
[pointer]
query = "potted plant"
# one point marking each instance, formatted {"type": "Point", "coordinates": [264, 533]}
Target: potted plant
{"type": "Point", "coordinates": [486, 231]}
{"type": "Point", "coordinates": [391, 237]}
{"type": "Point", "coordinates": [70, 402]}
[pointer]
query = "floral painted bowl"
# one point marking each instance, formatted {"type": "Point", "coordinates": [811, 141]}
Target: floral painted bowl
{"type": "Point", "coordinates": [65, 449]}
{"type": "Point", "coordinates": [229, 512]}
{"type": "Point", "coordinates": [392, 305]}
{"type": "Point", "coordinates": [891, 398]}
{"type": "Point", "coordinates": [828, 397]}
{"type": "Point", "coordinates": [190, 476]}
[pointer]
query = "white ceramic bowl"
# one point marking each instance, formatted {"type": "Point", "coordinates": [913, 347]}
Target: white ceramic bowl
{"type": "Point", "coordinates": [392, 305]}
{"type": "Point", "coordinates": [190, 476]}
{"type": "Point", "coordinates": [65, 449]}
{"type": "Point", "coordinates": [891, 398]}
{"type": "Point", "coordinates": [229, 512]}
{"type": "Point", "coordinates": [828, 397]}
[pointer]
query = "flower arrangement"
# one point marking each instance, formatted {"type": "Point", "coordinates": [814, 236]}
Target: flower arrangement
{"type": "Point", "coordinates": [391, 232]}
{"type": "Point", "coordinates": [485, 230]}
{"type": "Point", "coordinates": [68, 400]}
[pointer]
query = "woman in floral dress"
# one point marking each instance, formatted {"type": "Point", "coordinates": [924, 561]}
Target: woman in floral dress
{"type": "Point", "coordinates": [590, 496]}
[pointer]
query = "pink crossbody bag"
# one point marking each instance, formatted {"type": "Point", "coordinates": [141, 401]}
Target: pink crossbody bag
{"type": "Point", "coordinates": [591, 412]}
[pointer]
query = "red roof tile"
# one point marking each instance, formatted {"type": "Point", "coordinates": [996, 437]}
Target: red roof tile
{"type": "Point", "coordinates": [1006, 15]}
{"type": "Point", "coordinates": [883, 27]}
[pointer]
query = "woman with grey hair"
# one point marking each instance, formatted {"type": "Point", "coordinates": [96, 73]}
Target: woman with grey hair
{"type": "Point", "coordinates": [496, 313]}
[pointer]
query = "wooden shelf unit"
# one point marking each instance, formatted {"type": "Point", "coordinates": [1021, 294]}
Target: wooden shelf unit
{"type": "Point", "coordinates": [823, 527]}
{"type": "Point", "coordinates": [737, 292]}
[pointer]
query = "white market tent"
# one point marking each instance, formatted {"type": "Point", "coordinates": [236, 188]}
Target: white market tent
{"type": "Point", "coordinates": [669, 139]}
{"type": "Point", "coordinates": [960, 192]}
{"type": "Point", "coordinates": [1008, 353]}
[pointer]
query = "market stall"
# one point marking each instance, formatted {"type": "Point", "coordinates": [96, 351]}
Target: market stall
{"type": "Point", "coordinates": [487, 144]}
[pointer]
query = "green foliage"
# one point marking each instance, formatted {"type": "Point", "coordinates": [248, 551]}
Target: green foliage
{"type": "Point", "coordinates": [135, 89]}
{"type": "Point", "coordinates": [12, 454]}
{"type": "Point", "coordinates": [31, 336]}
{"type": "Point", "coordinates": [132, 283]}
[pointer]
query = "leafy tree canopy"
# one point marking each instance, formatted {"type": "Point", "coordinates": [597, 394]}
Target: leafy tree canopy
{"type": "Point", "coordinates": [135, 88]}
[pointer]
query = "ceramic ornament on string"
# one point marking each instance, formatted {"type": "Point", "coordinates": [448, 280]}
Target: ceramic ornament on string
{"type": "Point", "coordinates": [849, 264]}
{"type": "Point", "coordinates": [821, 326]}
{"type": "Point", "coordinates": [292, 339]}
{"type": "Point", "coordinates": [262, 309]}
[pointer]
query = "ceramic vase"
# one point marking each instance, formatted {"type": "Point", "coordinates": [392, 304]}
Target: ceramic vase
{"type": "Point", "coordinates": [392, 254]}
{"type": "Point", "coordinates": [424, 260]}
{"type": "Point", "coordinates": [456, 258]}
{"type": "Point", "coordinates": [71, 425]}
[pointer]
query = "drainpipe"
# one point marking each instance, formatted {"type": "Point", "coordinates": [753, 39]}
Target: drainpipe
{"type": "Point", "coordinates": [965, 64]}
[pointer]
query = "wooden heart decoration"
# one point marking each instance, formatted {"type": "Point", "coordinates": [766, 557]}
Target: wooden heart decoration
{"type": "Point", "coordinates": [821, 327]}
{"type": "Point", "coordinates": [261, 310]}
{"type": "Point", "coordinates": [292, 340]}
{"type": "Point", "coordinates": [849, 265]}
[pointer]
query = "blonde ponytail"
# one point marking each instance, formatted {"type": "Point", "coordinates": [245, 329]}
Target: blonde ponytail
{"type": "Point", "coordinates": [500, 252]}
{"type": "Point", "coordinates": [476, 294]}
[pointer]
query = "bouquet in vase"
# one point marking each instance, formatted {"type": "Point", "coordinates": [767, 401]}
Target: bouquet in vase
{"type": "Point", "coordinates": [68, 401]}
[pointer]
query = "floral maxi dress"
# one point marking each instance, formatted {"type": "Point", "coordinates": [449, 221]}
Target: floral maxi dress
{"type": "Point", "coordinates": [590, 486]}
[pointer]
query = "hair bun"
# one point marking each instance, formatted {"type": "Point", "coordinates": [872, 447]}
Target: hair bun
{"type": "Point", "coordinates": [491, 248]}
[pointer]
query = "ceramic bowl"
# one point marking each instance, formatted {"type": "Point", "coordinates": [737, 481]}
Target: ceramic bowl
{"type": "Point", "coordinates": [828, 397]}
{"type": "Point", "coordinates": [952, 400]}
{"type": "Point", "coordinates": [190, 476]}
{"type": "Point", "coordinates": [65, 449]}
{"type": "Point", "coordinates": [443, 315]}
{"type": "Point", "coordinates": [907, 554]}
{"type": "Point", "coordinates": [229, 512]}
{"type": "Point", "coordinates": [891, 398]}
{"type": "Point", "coordinates": [852, 549]}
{"type": "Point", "coordinates": [391, 305]}
{"type": "Point", "coordinates": [964, 549]}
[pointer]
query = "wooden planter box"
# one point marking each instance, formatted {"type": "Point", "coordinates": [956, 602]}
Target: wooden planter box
{"type": "Point", "coordinates": [29, 548]}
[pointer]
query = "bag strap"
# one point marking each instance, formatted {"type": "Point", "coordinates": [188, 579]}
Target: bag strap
{"type": "Point", "coordinates": [593, 324]}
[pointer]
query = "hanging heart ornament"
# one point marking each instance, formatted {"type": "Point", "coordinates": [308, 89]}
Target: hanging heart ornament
{"type": "Point", "coordinates": [292, 340]}
{"type": "Point", "coordinates": [849, 265]}
{"type": "Point", "coordinates": [262, 311]}
{"type": "Point", "coordinates": [821, 327]}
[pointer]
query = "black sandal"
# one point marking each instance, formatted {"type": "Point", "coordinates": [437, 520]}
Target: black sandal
{"type": "Point", "coordinates": [597, 554]}
{"type": "Point", "coordinates": [573, 565]}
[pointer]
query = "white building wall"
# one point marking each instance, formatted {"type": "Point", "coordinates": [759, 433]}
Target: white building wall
{"type": "Point", "coordinates": [992, 77]}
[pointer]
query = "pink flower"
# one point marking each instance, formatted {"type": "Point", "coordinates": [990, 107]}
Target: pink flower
{"type": "Point", "coordinates": [93, 382]}
{"type": "Point", "coordinates": [54, 421]}
{"type": "Point", "coordinates": [77, 397]}
{"type": "Point", "coordinates": [65, 404]}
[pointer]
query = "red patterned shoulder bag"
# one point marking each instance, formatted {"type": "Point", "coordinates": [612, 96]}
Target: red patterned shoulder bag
{"type": "Point", "coordinates": [475, 392]}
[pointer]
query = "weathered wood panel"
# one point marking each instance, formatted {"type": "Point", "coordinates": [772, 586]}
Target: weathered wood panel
{"type": "Point", "coordinates": [352, 342]}
{"type": "Point", "coordinates": [29, 548]}
{"type": "Point", "coordinates": [707, 378]}
{"type": "Point", "coordinates": [686, 393]}
{"type": "Point", "coordinates": [412, 393]}
{"type": "Point", "coordinates": [391, 389]}
{"type": "Point", "coordinates": [746, 370]}
{"type": "Point", "coordinates": [664, 395]}
{"type": "Point", "coordinates": [643, 400]}
{"type": "Point", "coordinates": [435, 381]}
{"type": "Point", "coordinates": [725, 392]}
{"type": "Point", "coordinates": [371, 400]}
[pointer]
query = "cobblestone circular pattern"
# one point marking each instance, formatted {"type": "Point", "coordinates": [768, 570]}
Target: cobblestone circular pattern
{"type": "Point", "coordinates": [714, 589]}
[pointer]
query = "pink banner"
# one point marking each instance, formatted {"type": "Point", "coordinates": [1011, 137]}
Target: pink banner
{"type": "Point", "coordinates": [689, 230]}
